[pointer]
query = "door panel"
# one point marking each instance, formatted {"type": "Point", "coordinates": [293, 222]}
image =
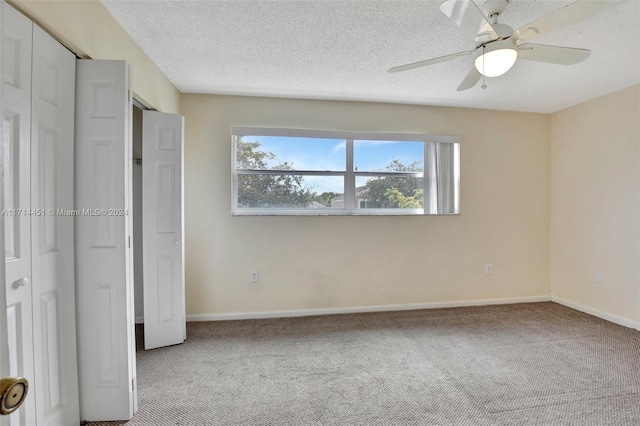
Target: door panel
{"type": "Point", "coordinates": [52, 152]}
{"type": "Point", "coordinates": [16, 97]}
{"type": "Point", "coordinates": [4, 341]}
{"type": "Point", "coordinates": [163, 236]}
{"type": "Point", "coordinates": [105, 312]}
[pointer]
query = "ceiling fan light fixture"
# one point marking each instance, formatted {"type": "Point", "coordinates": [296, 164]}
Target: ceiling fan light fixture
{"type": "Point", "coordinates": [496, 62]}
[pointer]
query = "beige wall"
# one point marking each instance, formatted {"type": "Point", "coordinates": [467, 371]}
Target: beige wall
{"type": "Point", "coordinates": [329, 262]}
{"type": "Point", "coordinates": [595, 199]}
{"type": "Point", "coordinates": [87, 27]}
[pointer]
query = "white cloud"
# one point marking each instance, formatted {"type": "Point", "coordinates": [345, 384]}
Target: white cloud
{"type": "Point", "coordinates": [338, 147]}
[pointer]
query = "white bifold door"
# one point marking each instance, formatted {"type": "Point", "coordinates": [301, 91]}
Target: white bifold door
{"type": "Point", "coordinates": [163, 233]}
{"type": "Point", "coordinates": [104, 255]}
{"type": "Point", "coordinates": [106, 339]}
{"type": "Point", "coordinates": [16, 99]}
{"type": "Point", "coordinates": [52, 242]}
{"type": "Point", "coordinates": [38, 138]}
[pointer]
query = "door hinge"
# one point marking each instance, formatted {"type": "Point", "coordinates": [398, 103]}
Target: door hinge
{"type": "Point", "coordinates": [132, 386]}
{"type": "Point", "coordinates": [129, 94]}
{"type": "Point", "coordinates": [129, 241]}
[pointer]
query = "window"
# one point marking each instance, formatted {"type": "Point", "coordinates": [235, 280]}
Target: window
{"type": "Point", "coordinates": [297, 172]}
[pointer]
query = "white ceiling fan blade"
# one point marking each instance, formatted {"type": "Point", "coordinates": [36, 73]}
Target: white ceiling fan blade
{"type": "Point", "coordinates": [429, 62]}
{"type": "Point", "coordinates": [466, 15]}
{"type": "Point", "coordinates": [470, 80]}
{"type": "Point", "coordinates": [552, 54]}
{"type": "Point", "coordinates": [569, 15]}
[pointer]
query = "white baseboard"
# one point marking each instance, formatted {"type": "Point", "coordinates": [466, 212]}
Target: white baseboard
{"type": "Point", "coordinates": [140, 319]}
{"type": "Point", "coordinates": [362, 309]}
{"type": "Point", "coordinates": [597, 313]}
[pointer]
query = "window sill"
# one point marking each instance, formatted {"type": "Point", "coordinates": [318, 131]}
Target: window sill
{"type": "Point", "coordinates": [334, 212]}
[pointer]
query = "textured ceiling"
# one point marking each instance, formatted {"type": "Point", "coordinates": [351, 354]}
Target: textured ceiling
{"type": "Point", "coordinates": [341, 49]}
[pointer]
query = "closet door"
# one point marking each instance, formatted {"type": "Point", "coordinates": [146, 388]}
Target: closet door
{"type": "Point", "coordinates": [52, 153]}
{"type": "Point", "coordinates": [4, 342]}
{"type": "Point", "coordinates": [106, 344]}
{"type": "Point", "coordinates": [163, 231]}
{"type": "Point", "coordinates": [16, 99]}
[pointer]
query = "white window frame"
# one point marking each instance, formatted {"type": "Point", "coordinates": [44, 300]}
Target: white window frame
{"type": "Point", "coordinates": [349, 174]}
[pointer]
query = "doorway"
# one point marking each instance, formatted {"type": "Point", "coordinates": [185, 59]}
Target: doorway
{"type": "Point", "coordinates": [138, 245]}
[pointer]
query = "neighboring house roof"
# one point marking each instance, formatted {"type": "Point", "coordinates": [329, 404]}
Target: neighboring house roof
{"type": "Point", "coordinates": [359, 191]}
{"type": "Point", "coordinates": [316, 205]}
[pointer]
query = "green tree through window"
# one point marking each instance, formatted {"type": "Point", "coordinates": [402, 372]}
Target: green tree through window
{"type": "Point", "coordinates": [268, 190]}
{"type": "Point", "coordinates": [394, 192]}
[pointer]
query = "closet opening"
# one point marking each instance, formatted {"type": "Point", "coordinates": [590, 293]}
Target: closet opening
{"type": "Point", "coordinates": [138, 246]}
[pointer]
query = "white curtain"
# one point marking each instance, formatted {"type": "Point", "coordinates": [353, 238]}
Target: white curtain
{"type": "Point", "coordinates": [442, 176]}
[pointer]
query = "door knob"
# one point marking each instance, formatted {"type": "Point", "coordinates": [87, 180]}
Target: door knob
{"type": "Point", "coordinates": [22, 282]}
{"type": "Point", "coordinates": [13, 392]}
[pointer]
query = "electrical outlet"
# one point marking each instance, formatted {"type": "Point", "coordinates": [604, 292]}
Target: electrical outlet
{"type": "Point", "coordinates": [253, 277]}
{"type": "Point", "coordinates": [488, 269]}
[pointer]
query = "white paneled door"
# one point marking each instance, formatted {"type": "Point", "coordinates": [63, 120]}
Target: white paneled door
{"type": "Point", "coordinates": [104, 253]}
{"type": "Point", "coordinates": [16, 97]}
{"type": "Point", "coordinates": [105, 310]}
{"type": "Point", "coordinates": [53, 281]}
{"type": "Point", "coordinates": [163, 232]}
{"type": "Point", "coordinates": [4, 342]}
{"type": "Point", "coordinates": [38, 86]}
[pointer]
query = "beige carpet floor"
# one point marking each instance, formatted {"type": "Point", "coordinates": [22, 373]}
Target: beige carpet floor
{"type": "Point", "coordinates": [525, 364]}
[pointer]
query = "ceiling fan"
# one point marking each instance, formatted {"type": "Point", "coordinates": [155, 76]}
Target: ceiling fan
{"type": "Point", "coordinates": [498, 46]}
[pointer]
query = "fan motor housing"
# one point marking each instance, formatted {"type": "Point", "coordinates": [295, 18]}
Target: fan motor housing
{"type": "Point", "coordinates": [495, 45]}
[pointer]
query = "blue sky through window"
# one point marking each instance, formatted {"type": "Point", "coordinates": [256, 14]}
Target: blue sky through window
{"type": "Point", "coordinates": [330, 155]}
{"type": "Point", "coordinates": [374, 156]}
{"type": "Point", "coordinates": [303, 153]}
